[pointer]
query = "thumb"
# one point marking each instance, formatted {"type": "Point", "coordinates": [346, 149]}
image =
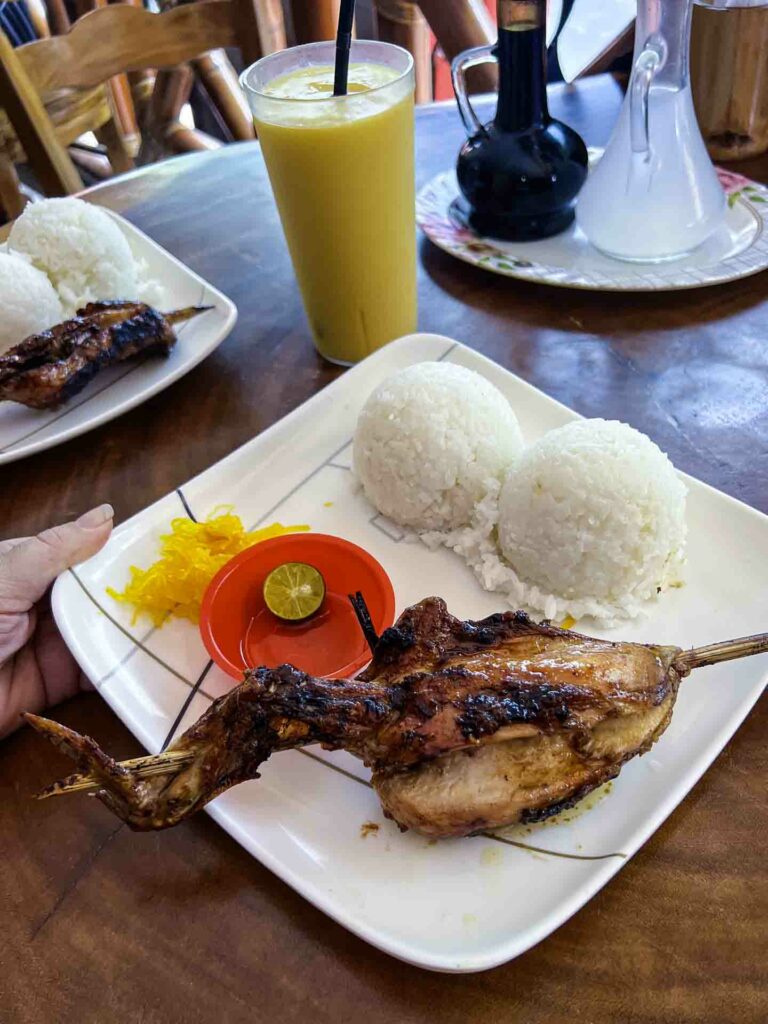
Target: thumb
{"type": "Point", "coordinates": [29, 568]}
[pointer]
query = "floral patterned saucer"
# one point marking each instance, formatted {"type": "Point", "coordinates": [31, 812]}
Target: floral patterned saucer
{"type": "Point", "coordinates": [739, 248]}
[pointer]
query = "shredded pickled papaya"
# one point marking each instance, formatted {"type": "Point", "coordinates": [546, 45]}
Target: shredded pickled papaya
{"type": "Point", "coordinates": [190, 556]}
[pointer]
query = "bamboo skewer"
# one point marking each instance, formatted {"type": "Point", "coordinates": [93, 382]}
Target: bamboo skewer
{"type": "Point", "coordinates": [178, 316]}
{"type": "Point", "coordinates": [364, 619]}
{"type": "Point", "coordinates": [727, 650]}
{"type": "Point", "coordinates": [141, 767]}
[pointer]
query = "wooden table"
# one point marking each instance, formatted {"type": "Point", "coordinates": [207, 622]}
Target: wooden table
{"type": "Point", "coordinates": [102, 925]}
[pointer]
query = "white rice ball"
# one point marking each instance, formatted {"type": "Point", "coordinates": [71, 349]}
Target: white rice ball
{"type": "Point", "coordinates": [594, 510]}
{"type": "Point", "coordinates": [28, 301]}
{"type": "Point", "coordinates": [428, 442]}
{"type": "Point", "coordinates": [80, 248]}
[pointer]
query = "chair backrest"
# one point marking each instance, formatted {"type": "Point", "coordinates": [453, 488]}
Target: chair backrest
{"type": "Point", "coordinates": [121, 38]}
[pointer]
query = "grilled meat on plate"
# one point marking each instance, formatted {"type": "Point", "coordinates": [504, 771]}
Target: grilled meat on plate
{"type": "Point", "coordinates": [467, 725]}
{"type": "Point", "coordinates": [47, 369]}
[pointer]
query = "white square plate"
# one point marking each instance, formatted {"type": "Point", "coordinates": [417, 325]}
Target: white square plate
{"type": "Point", "coordinates": [119, 388]}
{"type": "Point", "coordinates": [456, 905]}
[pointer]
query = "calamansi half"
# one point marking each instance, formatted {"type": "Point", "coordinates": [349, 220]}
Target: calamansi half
{"type": "Point", "coordinates": [294, 591]}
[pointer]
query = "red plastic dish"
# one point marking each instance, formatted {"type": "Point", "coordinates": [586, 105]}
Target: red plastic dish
{"type": "Point", "coordinates": [240, 632]}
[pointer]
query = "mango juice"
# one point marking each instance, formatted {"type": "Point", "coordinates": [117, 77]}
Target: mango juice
{"type": "Point", "coordinates": [342, 171]}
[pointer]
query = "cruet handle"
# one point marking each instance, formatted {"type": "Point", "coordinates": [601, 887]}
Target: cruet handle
{"type": "Point", "coordinates": [459, 67]}
{"type": "Point", "coordinates": [646, 66]}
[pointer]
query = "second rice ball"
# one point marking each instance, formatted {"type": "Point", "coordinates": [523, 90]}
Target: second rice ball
{"type": "Point", "coordinates": [594, 509]}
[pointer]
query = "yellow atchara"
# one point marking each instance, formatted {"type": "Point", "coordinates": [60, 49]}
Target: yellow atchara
{"type": "Point", "coordinates": [190, 556]}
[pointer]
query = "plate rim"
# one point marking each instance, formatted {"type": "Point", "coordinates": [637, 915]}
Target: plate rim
{"type": "Point", "coordinates": [406, 950]}
{"type": "Point", "coordinates": [442, 178]}
{"type": "Point", "coordinates": [222, 302]}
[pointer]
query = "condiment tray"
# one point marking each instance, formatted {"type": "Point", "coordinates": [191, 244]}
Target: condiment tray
{"type": "Point", "coordinates": [738, 249]}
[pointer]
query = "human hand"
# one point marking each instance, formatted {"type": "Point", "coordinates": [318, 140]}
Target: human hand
{"type": "Point", "coordinates": [36, 668]}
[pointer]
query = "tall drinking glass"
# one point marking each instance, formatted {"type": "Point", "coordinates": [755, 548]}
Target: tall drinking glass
{"type": "Point", "coordinates": [342, 172]}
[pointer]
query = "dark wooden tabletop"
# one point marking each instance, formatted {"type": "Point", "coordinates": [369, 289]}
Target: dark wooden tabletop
{"type": "Point", "coordinates": [98, 924]}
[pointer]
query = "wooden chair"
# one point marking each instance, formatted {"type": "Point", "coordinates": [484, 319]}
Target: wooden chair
{"type": "Point", "coordinates": [459, 25]}
{"type": "Point", "coordinates": [314, 19]}
{"type": "Point", "coordinates": [107, 111]}
{"type": "Point", "coordinates": [403, 23]}
{"type": "Point", "coordinates": [107, 42]}
{"type": "Point", "coordinates": [210, 84]}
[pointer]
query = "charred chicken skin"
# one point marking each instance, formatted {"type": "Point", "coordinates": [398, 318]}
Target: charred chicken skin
{"type": "Point", "coordinates": [47, 369]}
{"type": "Point", "coordinates": [466, 725]}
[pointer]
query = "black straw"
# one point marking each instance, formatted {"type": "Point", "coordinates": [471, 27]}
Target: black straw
{"type": "Point", "coordinates": [343, 43]}
{"type": "Point", "coordinates": [364, 618]}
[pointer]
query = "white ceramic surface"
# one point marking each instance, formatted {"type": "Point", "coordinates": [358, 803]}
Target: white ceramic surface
{"type": "Point", "coordinates": [456, 905]}
{"type": "Point", "coordinates": [119, 388]}
{"type": "Point", "coordinates": [737, 249]}
{"type": "Point", "coordinates": [591, 29]}
{"type": "Point", "coordinates": [554, 17]}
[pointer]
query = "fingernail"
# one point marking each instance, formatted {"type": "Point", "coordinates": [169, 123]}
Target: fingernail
{"type": "Point", "coordinates": [96, 517]}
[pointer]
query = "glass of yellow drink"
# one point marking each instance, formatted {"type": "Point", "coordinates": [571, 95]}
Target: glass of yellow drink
{"type": "Point", "coordinates": [342, 172]}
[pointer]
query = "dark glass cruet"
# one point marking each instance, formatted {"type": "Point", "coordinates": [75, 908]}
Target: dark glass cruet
{"type": "Point", "coordinates": [519, 174]}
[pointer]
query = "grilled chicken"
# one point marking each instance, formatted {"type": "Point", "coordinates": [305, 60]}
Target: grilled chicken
{"type": "Point", "coordinates": [547, 714]}
{"type": "Point", "coordinates": [467, 725]}
{"type": "Point", "coordinates": [47, 369]}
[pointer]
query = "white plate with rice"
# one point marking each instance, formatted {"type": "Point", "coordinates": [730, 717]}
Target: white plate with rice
{"type": "Point", "coordinates": [162, 281]}
{"type": "Point", "coordinates": [455, 905]}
